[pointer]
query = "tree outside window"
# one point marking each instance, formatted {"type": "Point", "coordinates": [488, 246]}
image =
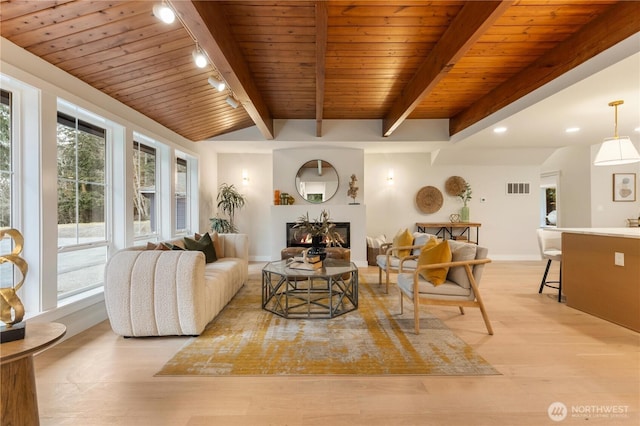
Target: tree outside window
{"type": "Point", "coordinates": [6, 183]}
{"type": "Point", "coordinates": [144, 191]}
{"type": "Point", "coordinates": [81, 204]}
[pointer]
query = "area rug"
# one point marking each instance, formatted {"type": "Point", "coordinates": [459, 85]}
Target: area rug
{"type": "Point", "coordinates": [373, 340]}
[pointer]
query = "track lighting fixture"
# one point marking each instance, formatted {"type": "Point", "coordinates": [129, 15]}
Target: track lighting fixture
{"type": "Point", "coordinates": [199, 58]}
{"type": "Point", "coordinates": [232, 102]}
{"type": "Point", "coordinates": [218, 84]}
{"type": "Point", "coordinates": [164, 13]}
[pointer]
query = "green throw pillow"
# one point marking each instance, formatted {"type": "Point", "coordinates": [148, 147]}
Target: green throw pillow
{"type": "Point", "coordinates": [204, 244]}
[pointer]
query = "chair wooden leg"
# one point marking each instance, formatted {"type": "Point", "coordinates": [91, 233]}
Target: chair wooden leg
{"type": "Point", "coordinates": [416, 314]}
{"type": "Point", "coordinates": [379, 275]}
{"type": "Point", "coordinates": [386, 291]}
{"type": "Point", "coordinates": [461, 310]}
{"type": "Point", "coordinates": [485, 317]}
{"type": "Point", "coordinates": [401, 303]}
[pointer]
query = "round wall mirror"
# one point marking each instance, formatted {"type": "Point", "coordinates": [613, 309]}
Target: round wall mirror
{"type": "Point", "coordinates": [317, 181]}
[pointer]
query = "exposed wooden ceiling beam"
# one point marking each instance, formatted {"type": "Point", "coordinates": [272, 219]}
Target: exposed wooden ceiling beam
{"type": "Point", "coordinates": [465, 29]}
{"type": "Point", "coordinates": [618, 23]}
{"type": "Point", "coordinates": [206, 21]}
{"type": "Point", "coordinates": [321, 52]}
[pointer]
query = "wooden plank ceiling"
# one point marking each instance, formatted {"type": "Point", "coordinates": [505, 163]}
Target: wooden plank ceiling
{"type": "Point", "coordinates": [390, 60]}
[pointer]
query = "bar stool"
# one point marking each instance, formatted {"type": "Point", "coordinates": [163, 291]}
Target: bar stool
{"type": "Point", "coordinates": [550, 244]}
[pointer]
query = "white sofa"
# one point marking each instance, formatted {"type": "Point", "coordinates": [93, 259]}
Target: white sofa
{"type": "Point", "coordinates": [172, 292]}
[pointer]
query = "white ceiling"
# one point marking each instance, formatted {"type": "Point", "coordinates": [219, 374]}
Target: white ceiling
{"type": "Point", "coordinates": [535, 123]}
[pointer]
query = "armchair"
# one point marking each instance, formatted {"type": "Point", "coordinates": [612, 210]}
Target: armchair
{"type": "Point", "coordinates": [460, 288]}
{"type": "Point", "coordinates": [389, 259]}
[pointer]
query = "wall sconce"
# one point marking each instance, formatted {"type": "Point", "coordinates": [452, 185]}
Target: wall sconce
{"type": "Point", "coordinates": [245, 177]}
{"type": "Point", "coordinates": [390, 177]}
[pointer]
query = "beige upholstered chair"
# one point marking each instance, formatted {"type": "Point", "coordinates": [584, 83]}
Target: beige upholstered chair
{"type": "Point", "coordinates": [389, 260]}
{"type": "Point", "coordinates": [460, 288]}
{"type": "Point", "coordinates": [550, 244]}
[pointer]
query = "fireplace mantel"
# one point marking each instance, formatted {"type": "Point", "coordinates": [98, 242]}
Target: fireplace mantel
{"type": "Point", "coordinates": [354, 214]}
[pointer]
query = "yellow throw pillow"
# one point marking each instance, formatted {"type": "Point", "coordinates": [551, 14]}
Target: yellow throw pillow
{"type": "Point", "coordinates": [441, 253]}
{"type": "Point", "coordinates": [403, 238]}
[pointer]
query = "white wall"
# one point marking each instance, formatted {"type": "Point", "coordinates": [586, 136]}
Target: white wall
{"type": "Point", "coordinates": [508, 222]}
{"type": "Point", "coordinates": [585, 194]}
{"type": "Point", "coordinates": [253, 219]}
{"type": "Point", "coordinates": [573, 197]}
{"type": "Point", "coordinates": [604, 211]}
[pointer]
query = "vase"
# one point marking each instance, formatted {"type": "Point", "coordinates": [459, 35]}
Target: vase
{"type": "Point", "coordinates": [464, 214]}
{"type": "Point", "coordinates": [317, 247]}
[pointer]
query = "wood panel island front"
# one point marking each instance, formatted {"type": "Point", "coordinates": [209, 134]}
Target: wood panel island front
{"type": "Point", "coordinates": [601, 273]}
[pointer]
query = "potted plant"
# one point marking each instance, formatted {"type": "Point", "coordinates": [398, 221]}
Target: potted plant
{"type": "Point", "coordinates": [320, 230]}
{"type": "Point", "coordinates": [465, 196]}
{"type": "Point", "coordinates": [229, 200]}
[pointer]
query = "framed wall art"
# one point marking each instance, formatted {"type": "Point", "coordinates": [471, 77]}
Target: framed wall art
{"type": "Point", "coordinates": [624, 187]}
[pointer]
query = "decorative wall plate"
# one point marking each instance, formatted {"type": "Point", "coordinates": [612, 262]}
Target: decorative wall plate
{"type": "Point", "coordinates": [454, 185]}
{"type": "Point", "coordinates": [429, 199]}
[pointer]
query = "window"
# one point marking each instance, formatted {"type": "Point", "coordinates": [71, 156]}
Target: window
{"type": "Point", "coordinates": [182, 196]}
{"type": "Point", "coordinates": [145, 202]}
{"type": "Point", "coordinates": [6, 166]}
{"type": "Point", "coordinates": [6, 183]}
{"type": "Point", "coordinates": [549, 182]}
{"type": "Point", "coordinates": [82, 204]}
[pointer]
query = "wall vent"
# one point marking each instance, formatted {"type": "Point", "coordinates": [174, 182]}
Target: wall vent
{"type": "Point", "coordinates": [518, 188]}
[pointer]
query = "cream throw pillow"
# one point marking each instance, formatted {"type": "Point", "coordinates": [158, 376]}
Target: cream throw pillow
{"type": "Point", "coordinates": [440, 253]}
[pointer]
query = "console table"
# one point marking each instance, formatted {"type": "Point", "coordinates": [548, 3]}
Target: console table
{"type": "Point", "coordinates": [446, 229]}
{"type": "Point", "coordinates": [19, 399]}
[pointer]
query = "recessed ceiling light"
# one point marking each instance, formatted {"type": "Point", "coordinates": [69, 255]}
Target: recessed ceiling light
{"type": "Point", "coordinates": [572, 129]}
{"type": "Point", "coordinates": [499, 130]}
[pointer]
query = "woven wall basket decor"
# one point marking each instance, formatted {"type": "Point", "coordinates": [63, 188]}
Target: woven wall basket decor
{"type": "Point", "coordinates": [429, 199]}
{"type": "Point", "coordinates": [454, 185]}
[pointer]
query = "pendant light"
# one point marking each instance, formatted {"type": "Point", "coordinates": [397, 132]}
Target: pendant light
{"type": "Point", "coordinates": [618, 149]}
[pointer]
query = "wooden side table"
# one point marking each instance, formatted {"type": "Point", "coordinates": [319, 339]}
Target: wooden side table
{"type": "Point", "coordinates": [19, 402]}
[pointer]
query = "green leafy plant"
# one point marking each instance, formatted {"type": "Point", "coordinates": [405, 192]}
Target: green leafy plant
{"type": "Point", "coordinates": [321, 227]}
{"type": "Point", "coordinates": [465, 194]}
{"type": "Point", "coordinates": [229, 201]}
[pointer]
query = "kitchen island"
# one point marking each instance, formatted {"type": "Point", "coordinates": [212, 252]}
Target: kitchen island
{"type": "Point", "coordinates": [601, 273]}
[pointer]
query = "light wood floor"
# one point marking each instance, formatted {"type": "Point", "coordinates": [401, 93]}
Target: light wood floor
{"type": "Point", "coordinates": [546, 352]}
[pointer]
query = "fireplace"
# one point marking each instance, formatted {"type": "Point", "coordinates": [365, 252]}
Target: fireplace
{"type": "Point", "coordinates": [296, 240]}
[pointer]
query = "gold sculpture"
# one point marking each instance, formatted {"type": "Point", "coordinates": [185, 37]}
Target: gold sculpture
{"type": "Point", "coordinates": [11, 308]}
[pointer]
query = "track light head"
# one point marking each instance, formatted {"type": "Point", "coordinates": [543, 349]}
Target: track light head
{"type": "Point", "coordinates": [218, 84]}
{"type": "Point", "coordinates": [199, 58]}
{"type": "Point", "coordinates": [164, 13]}
{"type": "Point", "coordinates": [232, 102]}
